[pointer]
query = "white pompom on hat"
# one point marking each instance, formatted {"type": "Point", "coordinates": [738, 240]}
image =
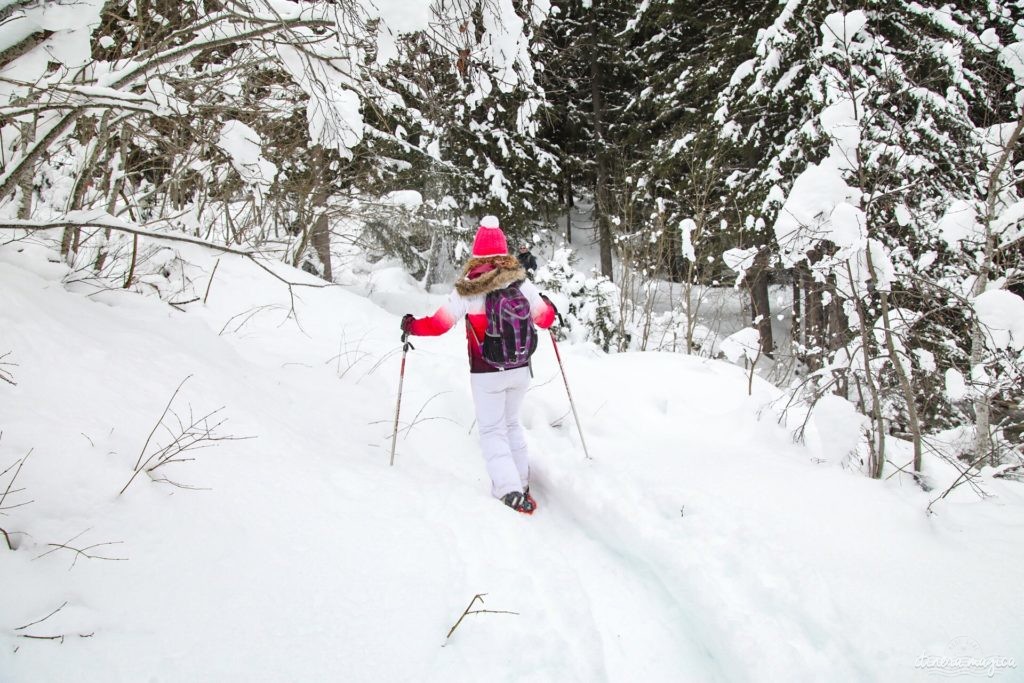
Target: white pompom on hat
{"type": "Point", "coordinates": [490, 240]}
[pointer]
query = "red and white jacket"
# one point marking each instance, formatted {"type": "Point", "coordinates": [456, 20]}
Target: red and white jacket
{"type": "Point", "coordinates": [482, 275]}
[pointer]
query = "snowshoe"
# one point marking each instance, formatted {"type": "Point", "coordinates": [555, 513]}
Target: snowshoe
{"type": "Point", "coordinates": [520, 502]}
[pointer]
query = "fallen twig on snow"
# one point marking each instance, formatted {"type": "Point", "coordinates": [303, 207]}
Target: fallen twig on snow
{"type": "Point", "coordinates": [39, 621]}
{"type": "Point", "coordinates": [59, 636]}
{"type": "Point", "coordinates": [469, 610]}
{"type": "Point", "coordinates": [81, 552]}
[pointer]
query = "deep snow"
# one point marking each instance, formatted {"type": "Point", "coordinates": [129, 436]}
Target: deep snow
{"type": "Point", "coordinates": [700, 543]}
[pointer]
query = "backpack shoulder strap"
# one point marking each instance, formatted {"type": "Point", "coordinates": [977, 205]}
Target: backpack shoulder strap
{"type": "Point", "coordinates": [472, 331]}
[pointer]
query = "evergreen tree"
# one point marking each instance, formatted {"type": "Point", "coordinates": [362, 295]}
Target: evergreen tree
{"type": "Point", "coordinates": [589, 76]}
{"type": "Point", "coordinates": [871, 123]}
{"type": "Point", "coordinates": [466, 133]}
{"type": "Point", "coordinates": [674, 191]}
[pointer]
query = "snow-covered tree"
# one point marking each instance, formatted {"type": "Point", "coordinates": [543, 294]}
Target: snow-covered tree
{"type": "Point", "coordinates": [466, 133]}
{"type": "Point", "coordinates": [875, 128]}
{"type": "Point", "coordinates": [259, 123]}
{"type": "Point", "coordinates": [588, 304]}
{"type": "Point", "coordinates": [589, 76]}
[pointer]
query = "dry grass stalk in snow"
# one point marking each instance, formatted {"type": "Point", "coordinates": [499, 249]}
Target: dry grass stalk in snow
{"type": "Point", "coordinates": [187, 435]}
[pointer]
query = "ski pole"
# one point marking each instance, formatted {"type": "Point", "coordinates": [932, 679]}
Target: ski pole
{"type": "Point", "coordinates": [568, 391]}
{"type": "Point", "coordinates": [401, 380]}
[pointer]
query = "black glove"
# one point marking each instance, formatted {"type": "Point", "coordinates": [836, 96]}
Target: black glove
{"type": "Point", "coordinates": [407, 320]}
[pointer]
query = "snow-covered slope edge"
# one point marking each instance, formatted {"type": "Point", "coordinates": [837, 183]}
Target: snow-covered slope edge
{"type": "Point", "coordinates": [699, 544]}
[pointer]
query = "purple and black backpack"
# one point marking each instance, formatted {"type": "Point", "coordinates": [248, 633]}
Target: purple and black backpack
{"type": "Point", "coordinates": [511, 337]}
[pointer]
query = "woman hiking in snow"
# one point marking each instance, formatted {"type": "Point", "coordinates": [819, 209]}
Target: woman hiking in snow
{"type": "Point", "coordinates": [500, 306]}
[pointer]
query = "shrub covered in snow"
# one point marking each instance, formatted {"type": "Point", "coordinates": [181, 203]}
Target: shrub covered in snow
{"type": "Point", "coordinates": [589, 305]}
{"type": "Point", "coordinates": [667, 332]}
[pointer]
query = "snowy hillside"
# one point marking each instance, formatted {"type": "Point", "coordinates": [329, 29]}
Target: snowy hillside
{"type": "Point", "coordinates": [699, 544]}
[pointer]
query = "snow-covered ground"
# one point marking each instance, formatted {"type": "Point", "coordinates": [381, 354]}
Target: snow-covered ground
{"type": "Point", "coordinates": [699, 544]}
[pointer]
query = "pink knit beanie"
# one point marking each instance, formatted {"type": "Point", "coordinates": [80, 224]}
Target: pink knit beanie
{"type": "Point", "coordinates": [490, 240]}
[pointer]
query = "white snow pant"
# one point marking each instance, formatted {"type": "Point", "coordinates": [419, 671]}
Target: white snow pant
{"type": "Point", "coordinates": [498, 397]}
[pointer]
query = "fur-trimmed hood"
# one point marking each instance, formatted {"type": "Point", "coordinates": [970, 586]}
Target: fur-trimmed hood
{"type": "Point", "coordinates": [506, 271]}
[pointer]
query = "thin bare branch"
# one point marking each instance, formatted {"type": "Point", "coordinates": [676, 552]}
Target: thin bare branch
{"type": "Point", "coordinates": [159, 422]}
{"type": "Point", "coordinates": [10, 484]}
{"type": "Point", "coordinates": [39, 621]}
{"type": "Point", "coordinates": [186, 435]}
{"type": "Point", "coordinates": [469, 610]}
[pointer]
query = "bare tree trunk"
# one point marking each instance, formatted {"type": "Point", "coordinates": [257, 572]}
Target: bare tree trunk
{"type": "Point", "coordinates": [838, 334]}
{"type": "Point", "coordinates": [318, 235]}
{"type": "Point", "coordinates": [897, 364]}
{"type": "Point", "coordinates": [814, 322]}
{"type": "Point", "coordinates": [569, 203]}
{"type": "Point", "coordinates": [130, 277]}
{"type": "Point", "coordinates": [112, 189]}
{"type": "Point", "coordinates": [760, 302]}
{"type": "Point", "coordinates": [95, 141]}
{"type": "Point", "coordinates": [876, 463]}
{"type": "Point", "coordinates": [691, 285]}
{"type": "Point", "coordinates": [321, 238]}
{"type": "Point", "coordinates": [437, 257]}
{"type": "Point", "coordinates": [982, 400]}
{"type": "Point", "coordinates": [28, 132]}
{"type": "Point", "coordinates": [101, 255]}
{"type": "Point", "coordinates": [838, 323]}
{"type": "Point", "coordinates": [433, 274]}
{"type": "Point", "coordinates": [602, 203]}
{"type": "Point", "coordinates": [797, 330]}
